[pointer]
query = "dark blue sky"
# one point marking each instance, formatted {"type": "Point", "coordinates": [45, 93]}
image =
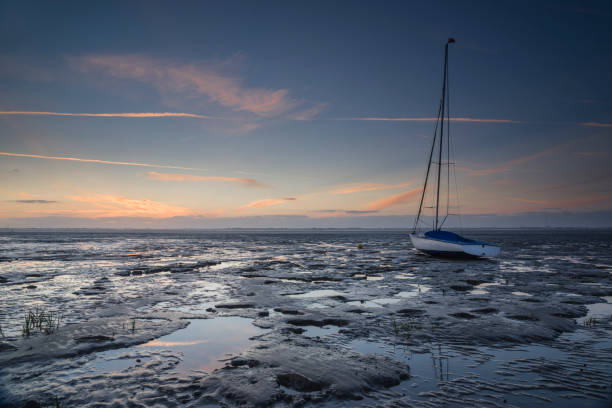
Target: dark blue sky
{"type": "Point", "coordinates": [281, 81]}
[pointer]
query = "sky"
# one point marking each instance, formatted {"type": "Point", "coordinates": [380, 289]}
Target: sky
{"type": "Point", "coordinates": [302, 114]}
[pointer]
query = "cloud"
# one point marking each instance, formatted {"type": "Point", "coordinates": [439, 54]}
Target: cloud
{"type": "Point", "coordinates": [342, 213]}
{"type": "Point", "coordinates": [34, 201]}
{"type": "Point", "coordinates": [508, 165]}
{"type": "Point", "coordinates": [248, 182]}
{"type": "Point", "coordinates": [484, 172]}
{"type": "Point", "coordinates": [78, 159]}
{"type": "Point", "coordinates": [504, 182]}
{"type": "Point", "coordinates": [192, 80]}
{"type": "Point", "coordinates": [393, 200]}
{"type": "Point", "coordinates": [112, 115]}
{"type": "Point", "coordinates": [577, 203]}
{"type": "Point", "coordinates": [596, 124]}
{"type": "Point", "coordinates": [267, 202]}
{"type": "Point", "coordinates": [465, 120]}
{"type": "Point", "coordinates": [117, 206]}
{"type": "Point", "coordinates": [310, 113]}
{"type": "Point", "coordinates": [538, 155]}
{"type": "Point", "coordinates": [359, 187]}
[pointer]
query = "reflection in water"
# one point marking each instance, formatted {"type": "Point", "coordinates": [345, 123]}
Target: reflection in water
{"type": "Point", "coordinates": [203, 345]}
{"type": "Point", "coordinates": [204, 342]}
{"type": "Point", "coordinates": [317, 294]}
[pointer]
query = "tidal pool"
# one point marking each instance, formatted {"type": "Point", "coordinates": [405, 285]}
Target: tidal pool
{"type": "Point", "coordinates": [203, 345]}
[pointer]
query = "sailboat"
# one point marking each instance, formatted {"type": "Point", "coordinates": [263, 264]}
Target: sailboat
{"type": "Point", "coordinates": [439, 242]}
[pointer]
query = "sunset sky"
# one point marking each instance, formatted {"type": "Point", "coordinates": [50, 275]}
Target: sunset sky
{"type": "Point", "coordinates": [301, 114]}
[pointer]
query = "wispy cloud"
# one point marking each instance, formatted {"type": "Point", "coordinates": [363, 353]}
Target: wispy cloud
{"type": "Point", "coordinates": [34, 201]}
{"type": "Point", "coordinates": [117, 206]}
{"type": "Point", "coordinates": [596, 124]}
{"type": "Point", "coordinates": [267, 202]}
{"type": "Point", "coordinates": [80, 159]}
{"type": "Point", "coordinates": [393, 200]}
{"type": "Point", "coordinates": [483, 172]}
{"type": "Point", "coordinates": [248, 182]}
{"type": "Point", "coordinates": [342, 213]}
{"type": "Point", "coordinates": [310, 113]}
{"type": "Point", "coordinates": [504, 182]}
{"type": "Point", "coordinates": [579, 202]}
{"type": "Point", "coordinates": [530, 157]}
{"type": "Point", "coordinates": [509, 164]}
{"type": "Point", "coordinates": [192, 80]}
{"type": "Point", "coordinates": [359, 187]}
{"type": "Point", "coordinates": [467, 120]}
{"type": "Point", "coordinates": [529, 201]}
{"type": "Point", "coordinates": [113, 115]}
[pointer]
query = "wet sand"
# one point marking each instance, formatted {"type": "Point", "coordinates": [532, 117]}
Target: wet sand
{"type": "Point", "coordinates": [302, 318]}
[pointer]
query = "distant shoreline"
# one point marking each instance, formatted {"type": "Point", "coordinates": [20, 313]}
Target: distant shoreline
{"type": "Point", "coordinates": [355, 229]}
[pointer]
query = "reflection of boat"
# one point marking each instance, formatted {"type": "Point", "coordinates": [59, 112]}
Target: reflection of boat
{"type": "Point", "coordinates": [438, 242]}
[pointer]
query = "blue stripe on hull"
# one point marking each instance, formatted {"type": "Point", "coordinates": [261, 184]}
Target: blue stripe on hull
{"type": "Point", "coordinates": [450, 254]}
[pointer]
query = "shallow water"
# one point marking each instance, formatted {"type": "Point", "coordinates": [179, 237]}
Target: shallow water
{"type": "Point", "coordinates": [544, 303]}
{"type": "Point", "coordinates": [204, 345]}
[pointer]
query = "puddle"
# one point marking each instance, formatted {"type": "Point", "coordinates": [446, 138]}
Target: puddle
{"type": "Point", "coordinates": [364, 303]}
{"type": "Point", "coordinates": [417, 291]}
{"type": "Point", "coordinates": [406, 275]}
{"type": "Point", "coordinates": [480, 288]}
{"type": "Point", "coordinates": [316, 306]}
{"type": "Point", "coordinates": [596, 311]}
{"type": "Point", "coordinates": [317, 294]}
{"type": "Point", "coordinates": [374, 302]}
{"type": "Point", "coordinates": [226, 265]}
{"type": "Point", "coordinates": [201, 346]}
{"type": "Point", "coordinates": [441, 375]}
{"type": "Point", "coordinates": [287, 280]}
{"type": "Point", "coordinates": [314, 331]}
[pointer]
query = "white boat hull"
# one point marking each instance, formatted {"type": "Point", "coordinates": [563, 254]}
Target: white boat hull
{"type": "Point", "coordinates": [451, 249]}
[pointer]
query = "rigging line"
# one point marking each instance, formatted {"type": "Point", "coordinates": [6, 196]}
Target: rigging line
{"type": "Point", "coordinates": [458, 206]}
{"type": "Point", "coordinates": [433, 145]}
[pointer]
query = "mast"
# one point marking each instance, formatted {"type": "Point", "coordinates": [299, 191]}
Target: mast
{"type": "Point", "coordinates": [439, 120]}
{"type": "Point", "coordinates": [450, 40]}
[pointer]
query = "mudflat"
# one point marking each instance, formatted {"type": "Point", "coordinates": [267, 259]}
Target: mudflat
{"type": "Point", "coordinates": [301, 318]}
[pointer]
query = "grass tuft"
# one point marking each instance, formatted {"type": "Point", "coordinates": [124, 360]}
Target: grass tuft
{"type": "Point", "coordinates": [40, 321]}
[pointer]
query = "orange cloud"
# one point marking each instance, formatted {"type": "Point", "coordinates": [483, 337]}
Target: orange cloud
{"type": "Point", "coordinates": [596, 124]}
{"type": "Point", "coordinates": [471, 120]}
{"type": "Point", "coordinates": [116, 206]}
{"type": "Point", "coordinates": [249, 182]}
{"type": "Point", "coordinates": [112, 115]}
{"type": "Point", "coordinates": [78, 159]}
{"type": "Point", "coordinates": [356, 188]}
{"type": "Point", "coordinates": [191, 79]}
{"type": "Point", "coordinates": [267, 202]}
{"type": "Point", "coordinates": [393, 200]}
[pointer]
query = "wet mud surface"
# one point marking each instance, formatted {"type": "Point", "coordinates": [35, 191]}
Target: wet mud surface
{"type": "Point", "coordinates": [306, 318]}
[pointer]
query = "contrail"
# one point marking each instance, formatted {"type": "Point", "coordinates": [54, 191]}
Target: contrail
{"type": "Point", "coordinates": [78, 159]}
{"type": "Point", "coordinates": [113, 115]}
